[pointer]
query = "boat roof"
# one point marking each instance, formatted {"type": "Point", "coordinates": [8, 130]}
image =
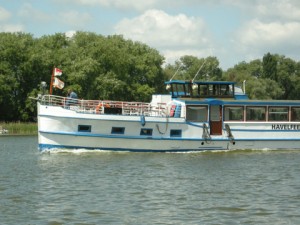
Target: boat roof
{"type": "Point", "coordinates": [233, 102]}
{"type": "Point", "coordinates": [204, 89]}
{"type": "Point", "coordinates": [199, 82]}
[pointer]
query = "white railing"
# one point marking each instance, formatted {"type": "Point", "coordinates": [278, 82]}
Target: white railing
{"type": "Point", "coordinates": [105, 106]}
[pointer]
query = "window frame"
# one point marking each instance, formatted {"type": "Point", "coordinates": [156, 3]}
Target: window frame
{"type": "Point", "coordinates": [117, 130]}
{"type": "Point", "coordinates": [174, 131]}
{"type": "Point", "coordinates": [256, 107]}
{"type": "Point", "coordinates": [146, 132]}
{"type": "Point", "coordinates": [234, 106]}
{"type": "Point", "coordinates": [81, 128]}
{"type": "Point", "coordinates": [278, 107]}
{"type": "Point", "coordinates": [292, 116]}
{"type": "Point", "coordinates": [190, 107]}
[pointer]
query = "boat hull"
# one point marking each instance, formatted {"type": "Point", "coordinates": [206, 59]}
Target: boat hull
{"type": "Point", "coordinates": [73, 141]}
{"type": "Point", "coordinates": [59, 129]}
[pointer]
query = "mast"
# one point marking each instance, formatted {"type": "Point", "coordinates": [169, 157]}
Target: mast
{"type": "Point", "coordinates": [52, 79]}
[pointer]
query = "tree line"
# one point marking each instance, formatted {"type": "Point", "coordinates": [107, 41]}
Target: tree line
{"type": "Point", "coordinates": [111, 67]}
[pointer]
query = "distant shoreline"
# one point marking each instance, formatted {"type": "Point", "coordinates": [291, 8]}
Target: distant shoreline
{"type": "Point", "coordinates": [18, 129]}
{"type": "Point", "coordinates": [15, 135]}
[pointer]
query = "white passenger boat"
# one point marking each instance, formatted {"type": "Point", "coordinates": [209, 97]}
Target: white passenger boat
{"type": "Point", "coordinates": [193, 117]}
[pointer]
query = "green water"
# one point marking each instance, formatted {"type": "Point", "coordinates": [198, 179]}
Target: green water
{"type": "Point", "coordinates": [238, 187]}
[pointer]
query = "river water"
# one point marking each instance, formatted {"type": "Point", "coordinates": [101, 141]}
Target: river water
{"type": "Point", "coordinates": [83, 187]}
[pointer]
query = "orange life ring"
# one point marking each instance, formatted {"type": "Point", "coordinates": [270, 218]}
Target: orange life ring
{"type": "Point", "coordinates": [172, 111]}
{"type": "Point", "coordinates": [98, 107]}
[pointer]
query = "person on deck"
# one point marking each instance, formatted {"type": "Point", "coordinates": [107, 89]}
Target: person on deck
{"type": "Point", "coordinates": [71, 97]}
{"type": "Point", "coordinates": [72, 94]}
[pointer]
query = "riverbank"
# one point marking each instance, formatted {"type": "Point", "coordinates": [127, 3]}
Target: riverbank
{"type": "Point", "coordinates": [18, 128]}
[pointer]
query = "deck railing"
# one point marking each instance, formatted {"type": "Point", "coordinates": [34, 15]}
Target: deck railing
{"type": "Point", "coordinates": [105, 106]}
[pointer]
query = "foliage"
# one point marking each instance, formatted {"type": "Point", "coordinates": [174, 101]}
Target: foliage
{"type": "Point", "coordinates": [193, 68]}
{"type": "Point", "coordinates": [275, 77]}
{"type": "Point", "coordinates": [99, 67]}
{"type": "Point", "coordinates": [94, 66]}
{"type": "Point", "coordinates": [284, 71]}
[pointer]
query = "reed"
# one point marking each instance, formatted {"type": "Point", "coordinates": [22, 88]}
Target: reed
{"type": "Point", "coordinates": [19, 128]}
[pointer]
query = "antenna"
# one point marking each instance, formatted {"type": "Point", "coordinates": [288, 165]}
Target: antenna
{"type": "Point", "coordinates": [175, 72]}
{"type": "Point", "coordinates": [168, 85]}
{"type": "Point", "coordinates": [199, 70]}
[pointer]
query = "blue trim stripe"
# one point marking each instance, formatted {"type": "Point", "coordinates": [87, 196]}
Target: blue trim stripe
{"type": "Point", "coordinates": [122, 120]}
{"type": "Point", "coordinates": [217, 138]}
{"type": "Point", "coordinates": [240, 102]}
{"type": "Point", "coordinates": [45, 147]}
{"type": "Point", "coordinates": [83, 134]}
{"type": "Point", "coordinates": [263, 131]}
{"type": "Point", "coordinates": [197, 125]}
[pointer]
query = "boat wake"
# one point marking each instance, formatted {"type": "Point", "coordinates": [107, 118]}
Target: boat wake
{"type": "Point", "coordinates": [81, 151]}
{"type": "Point", "coordinates": [78, 151]}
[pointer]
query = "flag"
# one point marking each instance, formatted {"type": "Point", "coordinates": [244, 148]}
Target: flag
{"type": "Point", "coordinates": [58, 83]}
{"type": "Point", "coordinates": [57, 72]}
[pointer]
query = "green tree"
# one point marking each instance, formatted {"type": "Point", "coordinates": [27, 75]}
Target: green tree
{"type": "Point", "coordinates": [257, 87]}
{"type": "Point", "coordinates": [287, 71]}
{"type": "Point", "coordinates": [269, 65]}
{"type": "Point", "coordinates": [284, 71]}
{"type": "Point", "coordinates": [111, 67]}
{"type": "Point", "coordinates": [15, 75]}
{"type": "Point", "coordinates": [193, 68]}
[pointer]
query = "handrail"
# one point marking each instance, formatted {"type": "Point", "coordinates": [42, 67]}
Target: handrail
{"type": "Point", "coordinates": [229, 133]}
{"type": "Point", "coordinates": [205, 134]}
{"type": "Point", "coordinates": [104, 106]}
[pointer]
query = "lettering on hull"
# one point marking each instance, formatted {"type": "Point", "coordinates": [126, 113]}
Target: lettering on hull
{"type": "Point", "coordinates": [285, 127]}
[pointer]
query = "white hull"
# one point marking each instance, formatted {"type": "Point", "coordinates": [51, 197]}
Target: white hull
{"type": "Point", "coordinates": [156, 145]}
{"type": "Point", "coordinates": [58, 128]}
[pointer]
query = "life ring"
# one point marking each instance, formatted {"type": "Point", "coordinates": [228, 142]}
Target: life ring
{"type": "Point", "coordinates": [98, 108]}
{"type": "Point", "coordinates": [172, 111]}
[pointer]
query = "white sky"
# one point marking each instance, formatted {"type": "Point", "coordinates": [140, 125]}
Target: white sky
{"type": "Point", "coordinates": [231, 30]}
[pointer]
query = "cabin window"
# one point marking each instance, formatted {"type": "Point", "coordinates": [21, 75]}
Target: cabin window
{"type": "Point", "coordinates": [234, 113]}
{"type": "Point", "coordinates": [295, 113]}
{"type": "Point", "coordinates": [181, 90]}
{"type": "Point", "coordinates": [215, 113]}
{"type": "Point", "coordinates": [278, 114]}
{"type": "Point", "coordinates": [146, 131]}
{"type": "Point", "coordinates": [220, 90]}
{"type": "Point", "coordinates": [256, 113]}
{"type": "Point", "coordinates": [187, 90]}
{"type": "Point", "coordinates": [84, 128]}
{"type": "Point", "coordinates": [118, 130]}
{"type": "Point", "coordinates": [196, 113]}
{"type": "Point", "coordinates": [224, 90]}
{"type": "Point", "coordinates": [211, 90]}
{"type": "Point", "coordinates": [175, 133]}
{"type": "Point", "coordinates": [203, 89]}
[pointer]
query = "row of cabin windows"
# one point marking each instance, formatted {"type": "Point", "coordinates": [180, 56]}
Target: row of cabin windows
{"type": "Point", "coordinates": [213, 90]}
{"type": "Point", "coordinates": [199, 90]}
{"type": "Point", "coordinates": [261, 113]}
{"type": "Point", "coordinates": [145, 131]}
{"type": "Point", "coordinates": [248, 113]}
{"type": "Point", "coordinates": [121, 130]}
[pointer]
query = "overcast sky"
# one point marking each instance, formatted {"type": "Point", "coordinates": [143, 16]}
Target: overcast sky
{"type": "Point", "coordinates": [231, 30]}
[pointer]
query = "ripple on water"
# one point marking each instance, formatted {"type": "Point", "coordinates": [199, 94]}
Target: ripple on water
{"type": "Point", "coordinates": [101, 187]}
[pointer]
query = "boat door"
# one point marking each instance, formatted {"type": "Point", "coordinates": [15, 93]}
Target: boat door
{"type": "Point", "coordinates": [215, 119]}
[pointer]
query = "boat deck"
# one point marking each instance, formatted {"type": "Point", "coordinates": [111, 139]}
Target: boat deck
{"type": "Point", "coordinates": [106, 106]}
